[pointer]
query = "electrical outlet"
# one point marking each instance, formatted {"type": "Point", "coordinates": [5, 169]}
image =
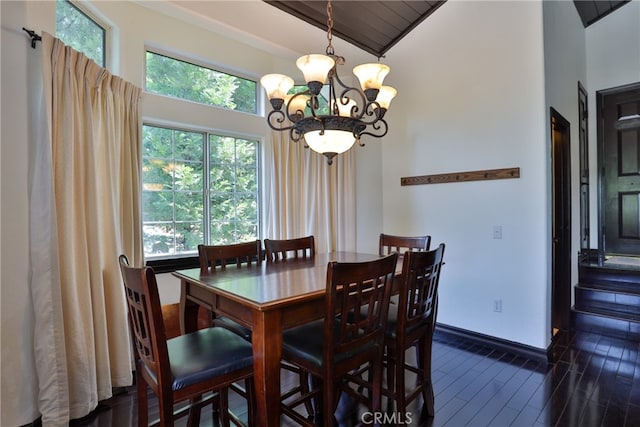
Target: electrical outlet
{"type": "Point", "coordinates": [497, 232]}
{"type": "Point", "coordinates": [497, 305]}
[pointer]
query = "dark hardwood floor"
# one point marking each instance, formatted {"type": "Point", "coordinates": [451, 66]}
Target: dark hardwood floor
{"type": "Point", "coordinates": [594, 381]}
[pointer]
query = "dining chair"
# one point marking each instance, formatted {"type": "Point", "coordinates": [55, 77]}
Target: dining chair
{"type": "Point", "coordinates": [216, 257]}
{"type": "Point", "coordinates": [411, 323]}
{"type": "Point", "coordinates": [280, 250]}
{"type": "Point", "coordinates": [202, 363]}
{"type": "Point", "coordinates": [213, 257]}
{"type": "Point", "coordinates": [348, 338]}
{"type": "Point", "coordinates": [389, 243]}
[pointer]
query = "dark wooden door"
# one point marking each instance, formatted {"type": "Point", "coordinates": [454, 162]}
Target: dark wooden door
{"type": "Point", "coordinates": [561, 227]}
{"type": "Point", "coordinates": [619, 138]}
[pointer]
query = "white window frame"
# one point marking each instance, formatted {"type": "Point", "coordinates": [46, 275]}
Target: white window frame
{"type": "Point", "coordinates": [101, 21]}
{"type": "Point", "coordinates": [206, 172]}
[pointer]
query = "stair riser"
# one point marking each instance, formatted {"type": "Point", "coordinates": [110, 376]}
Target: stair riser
{"type": "Point", "coordinates": [607, 301]}
{"type": "Point", "coordinates": [620, 278]}
{"type": "Point", "coordinates": [586, 298]}
{"type": "Point", "coordinates": [624, 329]}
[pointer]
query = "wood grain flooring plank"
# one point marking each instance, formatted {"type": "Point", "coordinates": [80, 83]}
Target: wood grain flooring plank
{"type": "Point", "coordinates": [595, 381]}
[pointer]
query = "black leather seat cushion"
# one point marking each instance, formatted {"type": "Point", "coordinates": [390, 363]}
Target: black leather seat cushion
{"type": "Point", "coordinates": [206, 353]}
{"type": "Point", "coordinates": [306, 342]}
{"type": "Point", "coordinates": [233, 326]}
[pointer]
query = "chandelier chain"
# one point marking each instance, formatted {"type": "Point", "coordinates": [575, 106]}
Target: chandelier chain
{"type": "Point", "coordinates": [330, 50]}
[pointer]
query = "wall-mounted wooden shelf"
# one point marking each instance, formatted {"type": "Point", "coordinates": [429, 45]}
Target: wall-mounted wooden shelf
{"type": "Point", "coordinates": [481, 175]}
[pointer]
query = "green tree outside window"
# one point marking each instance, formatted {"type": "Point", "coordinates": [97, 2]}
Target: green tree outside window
{"type": "Point", "coordinates": [181, 79]}
{"type": "Point", "coordinates": [78, 30]}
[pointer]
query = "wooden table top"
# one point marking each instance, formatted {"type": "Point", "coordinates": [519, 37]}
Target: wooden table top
{"type": "Point", "coordinates": [269, 285]}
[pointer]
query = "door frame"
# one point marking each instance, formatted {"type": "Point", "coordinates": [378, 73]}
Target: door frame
{"type": "Point", "coordinates": [600, 100]}
{"type": "Point", "coordinates": [561, 222]}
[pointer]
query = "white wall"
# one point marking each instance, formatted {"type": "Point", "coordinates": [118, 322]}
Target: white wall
{"type": "Point", "coordinates": [565, 66]}
{"type": "Point", "coordinates": [471, 97]}
{"type": "Point", "coordinates": [613, 59]}
{"type": "Point", "coordinates": [136, 24]}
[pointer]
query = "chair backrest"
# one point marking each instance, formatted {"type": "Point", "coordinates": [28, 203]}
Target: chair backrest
{"type": "Point", "coordinates": [417, 302]}
{"type": "Point", "coordinates": [212, 256]}
{"type": "Point", "coordinates": [280, 250]}
{"type": "Point", "coordinates": [357, 305]}
{"type": "Point", "coordinates": [389, 243]}
{"type": "Point", "coordinates": [145, 319]}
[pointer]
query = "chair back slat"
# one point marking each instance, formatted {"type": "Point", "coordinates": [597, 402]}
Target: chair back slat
{"type": "Point", "coordinates": [390, 243]}
{"type": "Point", "coordinates": [212, 257]}
{"type": "Point", "coordinates": [418, 292]}
{"type": "Point", "coordinates": [145, 318]}
{"type": "Point", "coordinates": [281, 250]}
{"type": "Point", "coordinates": [358, 303]}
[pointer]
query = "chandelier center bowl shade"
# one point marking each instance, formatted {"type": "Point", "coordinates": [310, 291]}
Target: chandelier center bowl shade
{"type": "Point", "coordinates": [329, 115]}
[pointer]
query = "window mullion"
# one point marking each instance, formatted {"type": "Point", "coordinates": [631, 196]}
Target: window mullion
{"type": "Point", "coordinates": [206, 168]}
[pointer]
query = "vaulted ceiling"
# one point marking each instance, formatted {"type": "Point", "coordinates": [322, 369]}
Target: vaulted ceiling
{"type": "Point", "coordinates": [592, 11]}
{"type": "Point", "coordinates": [375, 26]}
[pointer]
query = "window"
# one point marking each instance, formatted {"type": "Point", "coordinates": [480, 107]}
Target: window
{"type": "Point", "coordinates": [76, 29]}
{"type": "Point", "coordinates": [175, 216]}
{"type": "Point", "coordinates": [181, 79]}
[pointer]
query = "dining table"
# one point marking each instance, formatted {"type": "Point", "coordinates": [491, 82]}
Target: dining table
{"type": "Point", "coordinates": [268, 298]}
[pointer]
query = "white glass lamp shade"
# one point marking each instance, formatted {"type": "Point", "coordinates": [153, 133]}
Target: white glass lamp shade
{"type": "Point", "coordinates": [345, 110]}
{"type": "Point", "coordinates": [386, 94]}
{"type": "Point", "coordinates": [332, 141]}
{"type": "Point", "coordinates": [372, 75]}
{"type": "Point", "coordinates": [315, 67]}
{"type": "Point", "coordinates": [297, 104]}
{"type": "Point", "coordinates": [276, 85]}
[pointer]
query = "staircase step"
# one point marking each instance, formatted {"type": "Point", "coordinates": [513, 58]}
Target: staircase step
{"type": "Point", "coordinates": [600, 321]}
{"type": "Point", "coordinates": [588, 297]}
{"type": "Point", "coordinates": [611, 278]}
{"type": "Point", "coordinates": [607, 301]}
{"type": "Point", "coordinates": [627, 288]}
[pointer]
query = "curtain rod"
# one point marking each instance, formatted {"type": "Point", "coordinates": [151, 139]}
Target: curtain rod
{"type": "Point", "coordinates": [34, 37]}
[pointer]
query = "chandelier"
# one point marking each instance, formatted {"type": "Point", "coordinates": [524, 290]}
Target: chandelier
{"type": "Point", "coordinates": [350, 112]}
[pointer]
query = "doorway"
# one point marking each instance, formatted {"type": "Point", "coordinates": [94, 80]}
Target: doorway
{"type": "Point", "coordinates": [619, 162]}
{"type": "Point", "coordinates": [561, 224]}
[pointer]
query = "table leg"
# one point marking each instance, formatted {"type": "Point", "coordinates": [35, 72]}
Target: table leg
{"type": "Point", "coordinates": [267, 350]}
{"type": "Point", "coordinates": [188, 310]}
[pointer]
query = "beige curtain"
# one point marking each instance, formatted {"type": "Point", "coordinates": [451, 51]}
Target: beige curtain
{"type": "Point", "coordinates": [85, 211]}
{"type": "Point", "coordinates": [305, 195]}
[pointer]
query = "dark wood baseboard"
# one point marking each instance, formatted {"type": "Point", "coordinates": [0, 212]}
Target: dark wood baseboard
{"type": "Point", "coordinates": [532, 353]}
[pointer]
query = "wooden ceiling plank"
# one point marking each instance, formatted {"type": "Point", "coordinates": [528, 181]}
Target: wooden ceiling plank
{"type": "Point", "coordinates": [376, 26]}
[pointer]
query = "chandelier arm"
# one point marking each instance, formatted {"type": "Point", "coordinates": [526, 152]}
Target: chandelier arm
{"type": "Point", "coordinates": [337, 76]}
{"type": "Point", "coordinates": [297, 113]}
{"type": "Point", "coordinates": [295, 135]}
{"type": "Point", "coordinates": [276, 119]}
{"type": "Point", "coordinates": [314, 105]}
{"type": "Point", "coordinates": [380, 126]}
{"type": "Point", "coordinates": [356, 112]}
{"type": "Point", "coordinates": [376, 114]}
{"type": "Point", "coordinates": [333, 98]}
